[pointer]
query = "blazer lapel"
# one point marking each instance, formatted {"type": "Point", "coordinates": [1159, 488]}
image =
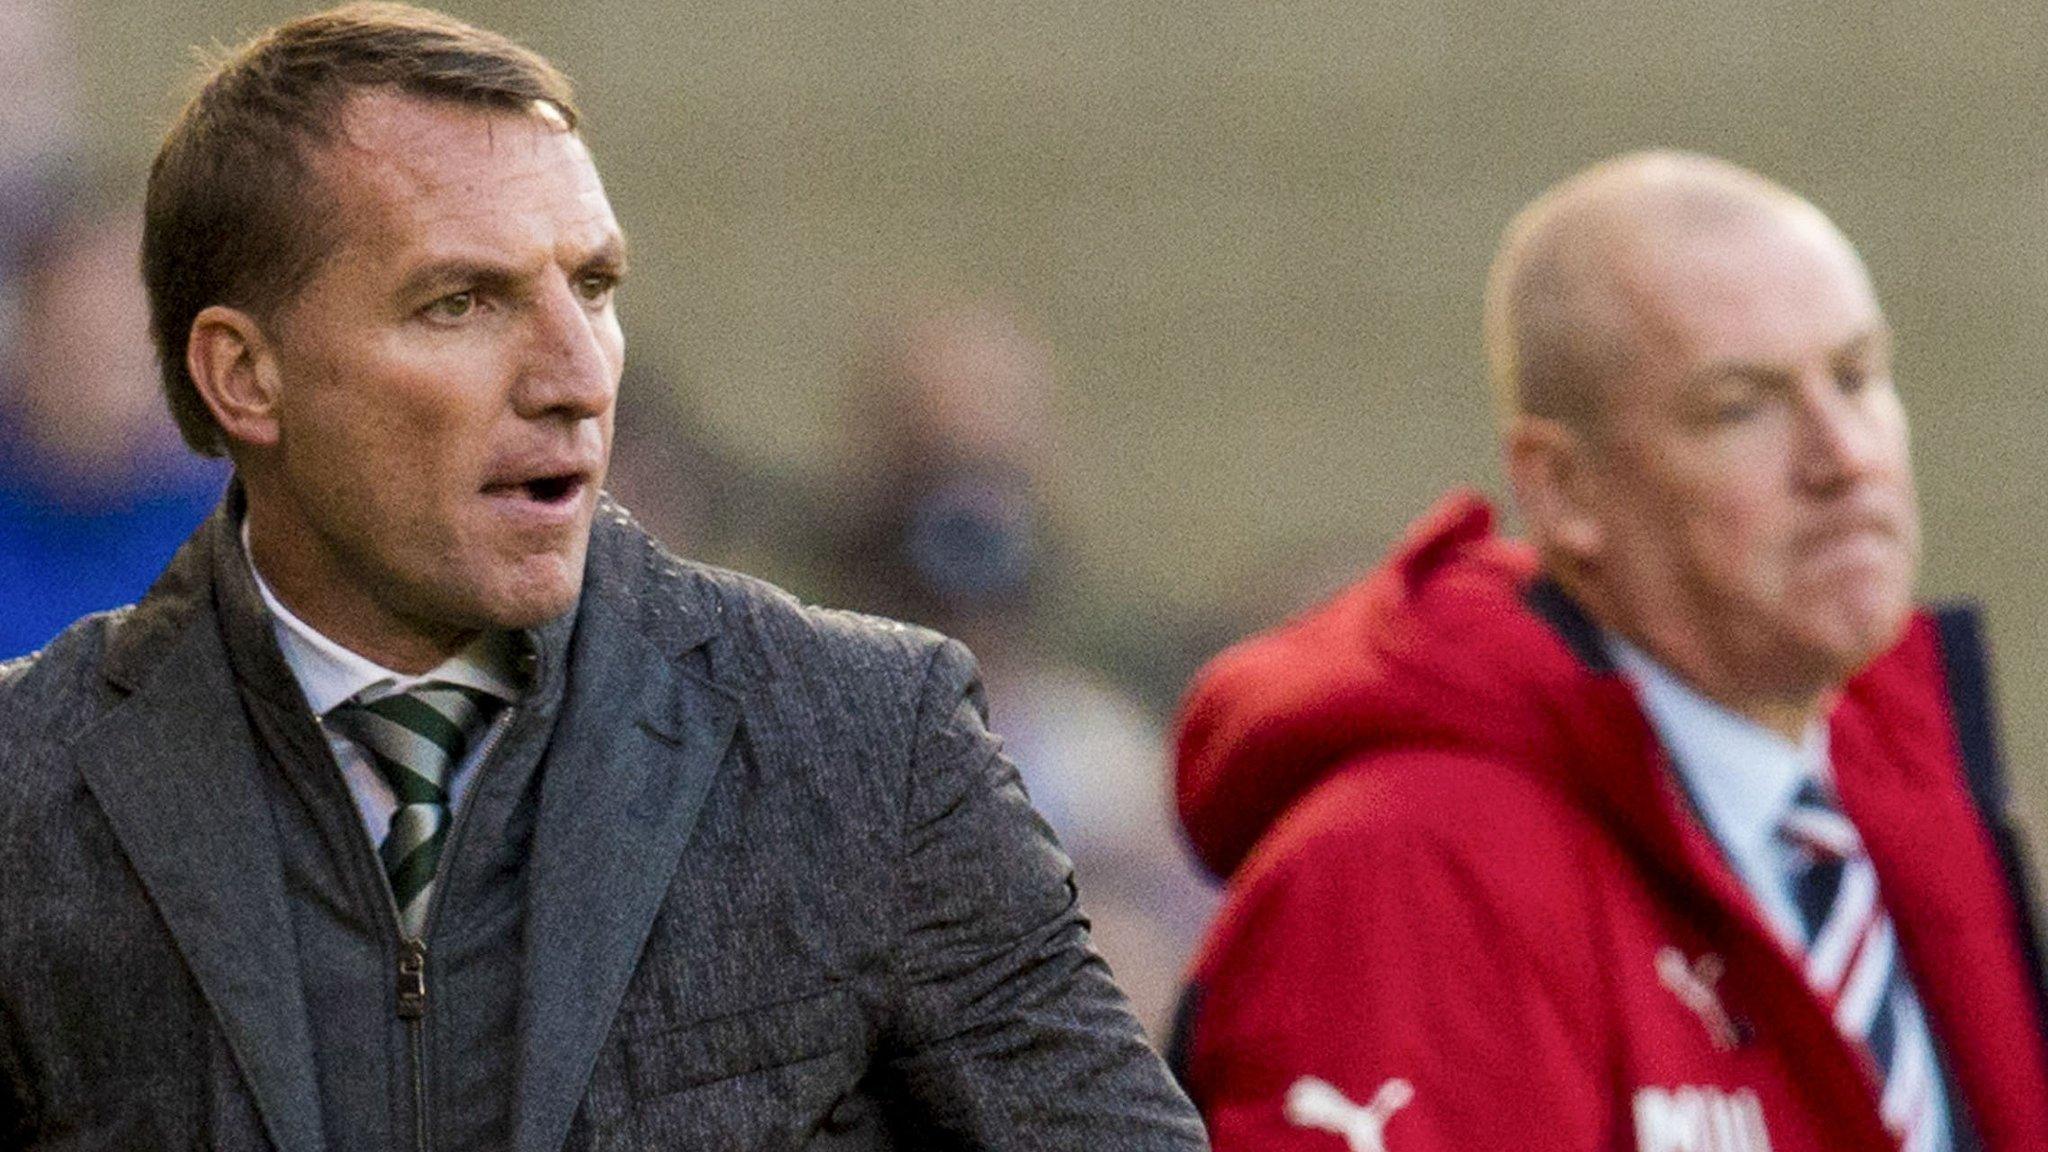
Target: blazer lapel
{"type": "Point", "coordinates": [637, 746]}
{"type": "Point", "coordinates": [177, 774]}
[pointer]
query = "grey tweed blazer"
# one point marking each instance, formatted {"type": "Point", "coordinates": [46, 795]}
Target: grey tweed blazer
{"type": "Point", "coordinates": [783, 891]}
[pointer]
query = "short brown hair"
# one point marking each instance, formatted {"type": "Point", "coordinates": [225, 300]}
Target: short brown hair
{"type": "Point", "coordinates": [234, 215]}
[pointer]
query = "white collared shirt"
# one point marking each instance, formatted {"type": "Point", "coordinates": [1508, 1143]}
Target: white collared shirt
{"type": "Point", "coordinates": [1741, 776]}
{"type": "Point", "coordinates": [330, 675]}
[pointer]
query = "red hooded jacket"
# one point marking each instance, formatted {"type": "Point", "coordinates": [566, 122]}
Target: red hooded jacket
{"type": "Point", "coordinates": [1471, 909]}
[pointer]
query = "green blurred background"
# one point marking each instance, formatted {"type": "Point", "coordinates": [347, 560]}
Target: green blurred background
{"type": "Point", "coordinates": [1254, 237]}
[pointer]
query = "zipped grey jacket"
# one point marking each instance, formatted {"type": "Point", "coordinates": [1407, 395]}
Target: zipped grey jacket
{"type": "Point", "coordinates": [740, 874]}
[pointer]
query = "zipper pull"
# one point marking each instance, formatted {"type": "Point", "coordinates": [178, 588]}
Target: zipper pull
{"type": "Point", "coordinates": [412, 979]}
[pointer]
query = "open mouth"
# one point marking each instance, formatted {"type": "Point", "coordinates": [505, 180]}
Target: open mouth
{"type": "Point", "coordinates": [547, 491]}
{"type": "Point", "coordinates": [552, 489]}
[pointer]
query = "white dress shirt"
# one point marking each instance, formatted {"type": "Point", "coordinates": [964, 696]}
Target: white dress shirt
{"type": "Point", "coordinates": [1741, 776]}
{"type": "Point", "coordinates": [330, 675]}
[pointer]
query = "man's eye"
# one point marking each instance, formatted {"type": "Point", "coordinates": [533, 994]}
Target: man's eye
{"type": "Point", "coordinates": [453, 306]}
{"type": "Point", "coordinates": [596, 287]}
{"type": "Point", "coordinates": [1734, 407]}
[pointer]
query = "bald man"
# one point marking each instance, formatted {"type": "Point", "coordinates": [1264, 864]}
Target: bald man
{"type": "Point", "coordinates": [1674, 827]}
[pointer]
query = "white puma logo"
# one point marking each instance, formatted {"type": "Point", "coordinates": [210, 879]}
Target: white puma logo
{"type": "Point", "coordinates": [1693, 984]}
{"type": "Point", "coordinates": [1313, 1103]}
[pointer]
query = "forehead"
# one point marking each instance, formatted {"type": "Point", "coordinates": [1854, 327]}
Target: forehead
{"type": "Point", "coordinates": [420, 178]}
{"type": "Point", "coordinates": [1778, 290]}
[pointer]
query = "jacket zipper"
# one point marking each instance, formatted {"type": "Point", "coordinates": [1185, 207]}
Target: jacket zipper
{"type": "Point", "coordinates": [412, 954]}
{"type": "Point", "coordinates": [412, 1008]}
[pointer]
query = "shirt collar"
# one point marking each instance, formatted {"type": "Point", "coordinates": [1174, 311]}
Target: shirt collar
{"type": "Point", "coordinates": [330, 674]}
{"type": "Point", "coordinates": [1742, 775]}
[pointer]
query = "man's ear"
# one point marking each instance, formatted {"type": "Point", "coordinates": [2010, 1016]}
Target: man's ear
{"type": "Point", "coordinates": [1556, 484]}
{"type": "Point", "coordinates": [235, 367]}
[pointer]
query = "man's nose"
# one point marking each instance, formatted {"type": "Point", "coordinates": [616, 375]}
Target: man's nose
{"type": "Point", "coordinates": [570, 366]}
{"type": "Point", "coordinates": [1841, 438]}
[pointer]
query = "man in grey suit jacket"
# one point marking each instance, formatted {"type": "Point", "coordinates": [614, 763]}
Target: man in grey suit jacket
{"type": "Point", "coordinates": [426, 802]}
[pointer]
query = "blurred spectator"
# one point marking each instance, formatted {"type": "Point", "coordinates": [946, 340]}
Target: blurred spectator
{"type": "Point", "coordinates": [942, 519]}
{"type": "Point", "coordinates": [696, 495]}
{"type": "Point", "coordinates": [96, 491]}
{"type": "Point", "coordinates": [38, 100]}
{"type": "Point", "coordinates": [38, 110]}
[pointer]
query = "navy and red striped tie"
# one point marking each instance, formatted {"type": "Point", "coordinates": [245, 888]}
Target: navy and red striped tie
{"type": "Point", "coordinates": [1853, 963]}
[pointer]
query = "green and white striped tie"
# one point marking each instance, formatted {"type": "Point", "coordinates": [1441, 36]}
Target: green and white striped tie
{"type": "Point", "coordinates": [414, 740]}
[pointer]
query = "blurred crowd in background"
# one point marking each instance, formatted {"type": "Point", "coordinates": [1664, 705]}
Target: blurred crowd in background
{"type": "Point", "coordinates": [96, 490]}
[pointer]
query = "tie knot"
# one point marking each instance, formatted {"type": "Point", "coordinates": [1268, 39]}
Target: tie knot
{"type": "Point", "coordinates": [415, 737]}
{"type": "Point", "coordinates": [1814, 824]}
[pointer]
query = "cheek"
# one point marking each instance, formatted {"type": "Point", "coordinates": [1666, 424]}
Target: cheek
{"type": "Point", "coordinates": [1736, 540]}
{"type": "Point", "coordinates": [381, 432]}
{"type": "Point", "coordinates": [372, 446]}
{"type": "Point", "coordinates": [389, 427]}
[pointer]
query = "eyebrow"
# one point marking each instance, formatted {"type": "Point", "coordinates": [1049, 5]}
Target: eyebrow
{"type": "Point", "coordinates": [610, 256]}
{"type": "Point", "coordinates": [1876, 338]}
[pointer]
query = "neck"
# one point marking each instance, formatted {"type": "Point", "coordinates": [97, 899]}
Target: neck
{"type": "Point", "coordinates": [1776, 702]}
{"type": "Point", "coordinates": [1789, 712]}
{"type": "Point", "coordinates": [359, 624]}
{"type": "Point", "coordinates": [1788, 718]}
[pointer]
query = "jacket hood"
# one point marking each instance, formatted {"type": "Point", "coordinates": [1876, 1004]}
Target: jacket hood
{"type": "Point", "coordinates": [1454, 644]}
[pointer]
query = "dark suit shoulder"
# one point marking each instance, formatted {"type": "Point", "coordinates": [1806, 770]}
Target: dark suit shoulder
{"type": "Point", "coordinates": [758, 630]}
{"type": "Point", "coordinates": [835, 679]}
{"type": "Point", "coordinates": [47, 701]}
{"type": "Point", "coordinates": [788, 632]}
{"type": "Point", "coordinates": [50, 695]}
